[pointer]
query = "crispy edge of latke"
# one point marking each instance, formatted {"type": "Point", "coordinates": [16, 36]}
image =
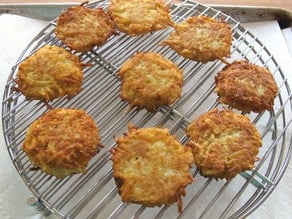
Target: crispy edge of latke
{"type": "Point", "coordinates": [37, 55]}
{"type": "Point", "coordinates": [195, 141]}
{"type": "Point", "coordinates": [140, 29]}
{"type": "Point", "coordinates": [200, 57]}
{"type": "Point", "coordinates": [237, 96]}
{"type": "Point", "coordinates": [56, 167]}
{"type": "Point", "coordinates": [74, 12]}
{"type": "Point", "coordinates": [133, 61]}
{"type": "Point", "coordinates": [119, 180]}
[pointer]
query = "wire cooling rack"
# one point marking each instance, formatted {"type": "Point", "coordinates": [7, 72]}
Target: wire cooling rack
{"type": "Point", "coordinates": [94, 194]}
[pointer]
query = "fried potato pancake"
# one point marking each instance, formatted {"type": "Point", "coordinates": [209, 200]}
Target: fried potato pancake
{"type": "Point", "coordinates": [223, 143]}
{"type": "Point", "coordinates": [149, 81]}
{"type": "Point", "coordinates": [201, 39]}
{"type": "Point", "coordinates": [246, 87]}
{"type": "Point", "coordinates": [151, 167]}
{"type": "Point", "coordinates": [62, 141]}
{"type": "Point", "coordinates": [50, 73]}
{"type": "Point", "coordinates": [81, 28]}
{"type": "Point", "coordinates": [136, 17]}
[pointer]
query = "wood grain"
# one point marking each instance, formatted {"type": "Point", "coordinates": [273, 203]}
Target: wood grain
{"type": "Point", "coordinates": [284, 4]}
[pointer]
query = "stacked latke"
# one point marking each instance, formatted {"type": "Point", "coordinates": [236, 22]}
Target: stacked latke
{"type": "Point", "coordinates": [149, 81]}
{"type": "Point", "coordinates": [151, 167]}
{"type": "Point", "coordinates": [223, 143]}
{"type": "Point", "coordinates": [246, 87]}
{"type": "Point", "coordinates": [201, 39]}
{"type": "Point", "coordinates": [50, 73]}
{"type": "Point", "coordinates": [81, 28]}
{"type": "Point", "coordinates": [136, 17]}
{"type": "Point", "coordinates": [62, 141]}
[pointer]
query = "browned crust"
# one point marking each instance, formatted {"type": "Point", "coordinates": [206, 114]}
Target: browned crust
{"type": "Point", "coordinates": [201, 39]}
{"type": "Point", "coordinates": [136, 17]}
{"type": "Point", "coordinates": [62, 141]}
{"type": "Point", "coordinates": [223, 143]}
{"type": "Point", "coordinates": [151, 167]}
{"type": "Point", "coordinates": [246, 87]}
{"type": "Point", "coordinates": [149, 81]}
{"type": "Point", "coordinates": [81, 28]}
{"type": "Point", "coordinates": [50, 73]}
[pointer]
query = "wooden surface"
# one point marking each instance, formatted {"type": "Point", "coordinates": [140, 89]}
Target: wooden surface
{"type": "Point", "coordinates": [284, 4]}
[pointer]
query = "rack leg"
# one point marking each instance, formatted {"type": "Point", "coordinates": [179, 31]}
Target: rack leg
{"type": "Point", "coordinates": [35, 202]}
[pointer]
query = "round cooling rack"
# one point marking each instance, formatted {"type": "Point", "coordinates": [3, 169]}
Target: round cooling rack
{"type": "Point", "coordinates": [94, 194]}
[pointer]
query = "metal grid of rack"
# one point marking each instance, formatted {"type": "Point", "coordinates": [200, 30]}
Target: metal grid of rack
{"type": "Point", "coordinates": [95, 194]}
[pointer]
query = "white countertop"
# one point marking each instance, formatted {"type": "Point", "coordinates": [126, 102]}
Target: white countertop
{"type": "Point", "coordinates": [17, 32]}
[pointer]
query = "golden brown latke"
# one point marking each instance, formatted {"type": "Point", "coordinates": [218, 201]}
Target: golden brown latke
{"type": "Point", "coordinates": [201, 39]}
{"type": "Point", "coordinates": [62, 141]}
{"type": "Point", "coordinates": [135, 17]}
{"type": "Point", "coordinates": [149, 81]}
{"type": "Point", "coordinates": [223, 143]}
{"type": "Point", "coordinates": [50, 73]}
{"type": "Point", "coordinates": [81, 28]}
{"type": "Point", "coordinates": [151, 167]}
{"type": "Point", "coordinates": [246, 87]}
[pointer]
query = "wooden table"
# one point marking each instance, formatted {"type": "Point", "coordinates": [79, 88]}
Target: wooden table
{"type": "Point", "coordinates": [284, 4]}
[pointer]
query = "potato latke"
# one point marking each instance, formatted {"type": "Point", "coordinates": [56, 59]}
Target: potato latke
{"type": "Point", "coordinates": [151, 167]}
{"type": "Point", "coordinates": [149, 81]}
{"type": "Point", "coordinates": [246, 87]}
{"type": "Point", "coordinates": [136, 17]}
{"type": "Point", "coordinates": [223, 143]}
{"type": "Point", "coordinates": [62, 141]}
{"type": "Point", "coordinates": [81, 28]}
{"type": "Point", "coordinates": [201, 39]}
{"type": "Point", "coordinates": [50, 73]}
